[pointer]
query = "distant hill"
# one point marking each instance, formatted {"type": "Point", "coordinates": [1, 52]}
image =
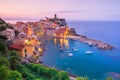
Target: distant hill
{"type": "Point", "coordinates": [4, 25]}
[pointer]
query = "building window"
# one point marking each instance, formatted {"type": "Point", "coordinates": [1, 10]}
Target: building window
{"type": "Point", "coordinates": [25, 50]}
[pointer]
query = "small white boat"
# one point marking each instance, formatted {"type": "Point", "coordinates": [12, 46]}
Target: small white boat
{"type": "Point", "coordinates": [75, 49]}
{"type": "Point", "coordinates": [70, 54]}
{"type": "Point", "coordinates": [68, 51]}
{"type": "Point", "coordinates": [88, 52]}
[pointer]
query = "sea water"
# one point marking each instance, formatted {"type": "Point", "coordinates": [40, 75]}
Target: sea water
{"type": "Point", "coordinates": [95, 66]}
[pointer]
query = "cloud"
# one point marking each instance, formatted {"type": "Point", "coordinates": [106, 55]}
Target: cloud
{"type": "Point", "coordinates": [69, 11]}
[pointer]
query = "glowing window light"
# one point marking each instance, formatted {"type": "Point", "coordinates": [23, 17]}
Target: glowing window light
{"type": "Point", "coordinates": [39, 42]}
{"type": "Point", "coordinates": [26, 41]}
{"type": "Point", "coordinates": [40, 50]}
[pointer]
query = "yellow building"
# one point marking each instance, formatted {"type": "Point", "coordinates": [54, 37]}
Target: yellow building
{"type": "Point", "coordinates": [23, 50]}
{"type": "Point", "coordinates": [30, 31]}
{"type": "Point", "coordinates": [31, 41]}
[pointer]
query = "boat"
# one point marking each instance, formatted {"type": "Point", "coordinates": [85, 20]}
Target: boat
{"type": "Point", "coordinates": [61, 49]}
{"type": "Point", "coordinates": [75, 49]}
{"type": "Point", "coordinates": [88, 52]}
{"type": "Point", "coordinates": [68, 51]}
{"type": "Point", "coordinates": [70, 54]}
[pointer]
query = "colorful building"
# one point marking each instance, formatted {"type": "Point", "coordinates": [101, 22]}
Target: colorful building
{"type": "Point", "coordinates": [62, 31]}
{"type": "Point", "coordinates": [50, 31]}
{"type": "Point", "coordinates": [9, 33]}
{"type": "Point", "coordinates": [23, 50]}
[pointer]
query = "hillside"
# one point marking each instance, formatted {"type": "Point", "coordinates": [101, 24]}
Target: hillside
{"type": "Point", "coordinates": [4, 25]}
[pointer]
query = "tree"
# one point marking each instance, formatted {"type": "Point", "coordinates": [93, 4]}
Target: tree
{"type": "Point", "coordinates": [61, 76]}
{"type": "Point", "coordinates": [3, 37]}
{"type": "Point", "coordinates": [2, 21]}
{"type": "Point", "coordinates": [82, 78]}
{"type": "Point", "coordinates": [14, 53]}
{"type": "Point", "coordinates": [14, 75]}
{"type": "Point", "coordinates": [4, 25]}
{"type": "Point", "coordinates": [51, 72]}
{"type": "Point", "coordinates": [4, 62]}
{"type": "Point", "coordinates": [14, 59]}
{"type": "Point", "coordinates": [4, 73]}
{"type": "Point", "coordinates": [2, 28]}
{"type": "Point", "coordinates": [16, 32]}
{"type": "Point", "coordinates": [13, 62]}
{"type": "Point", "coordinates": [3, 49]}
{"type": "Point", "coordinates": [38, 79]}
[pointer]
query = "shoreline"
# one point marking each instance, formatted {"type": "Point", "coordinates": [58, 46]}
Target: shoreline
{"type": "Point", "coordinates": [72, 76]}
{"type": "Point", "coordinates": [92, 42]}
{"type": "Point", "coordinates": [83, 39]}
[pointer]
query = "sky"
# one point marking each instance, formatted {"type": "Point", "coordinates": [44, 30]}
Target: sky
{"type": "Point", "coordinates": [85, 10]}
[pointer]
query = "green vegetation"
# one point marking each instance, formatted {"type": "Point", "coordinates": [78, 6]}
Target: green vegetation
{"type": "Point", "coordinates": [61, 76]}
{"type": "Point", "coordinates": [82, 78]}
{"type": "Point", "coordinates": [11, 68]}
{"type": "Point", "coordinates": [33, 71]}
{"type": "Point", "coordinates": [7, 62]}
{"type": "Point", "coordinates": [4, 73]}
{"type": "Point", "coordinates": [14, 60]}
{"type": "Point", "coordinates": [16, 33]}
{"type": "Point", "coordinates": [4, 62]}
{"type": "Point", "coordinates": [3, 49]}
{"type": "Point", "coordinates": [72, 32]}
{"type": "Point", "coordinates": [3, 37]}
{"type": "Point", "coordinates": [14, 75]}
{"type": "Point", "coordinates": [2, 21]}
{"type": "Point", "coordinates": [4, 25]}
{"type": "Point", "coordinates": [109, 78]}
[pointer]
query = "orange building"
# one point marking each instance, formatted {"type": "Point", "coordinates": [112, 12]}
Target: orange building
{"type": "Point", "coordinates": [23, 50]}
{"type": "Point", "coordinates": [31, 41]}
{"type": "Point", "coordinates": [30, 31]}
{"type": "Point", "coordinates": [62, 32]}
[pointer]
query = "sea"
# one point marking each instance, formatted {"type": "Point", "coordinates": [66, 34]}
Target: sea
{"type": "Point", "coordinates": [97, 66]}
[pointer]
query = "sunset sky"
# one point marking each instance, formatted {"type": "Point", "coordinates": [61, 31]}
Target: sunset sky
{"type": "Point", "coordinates": [69, 9]}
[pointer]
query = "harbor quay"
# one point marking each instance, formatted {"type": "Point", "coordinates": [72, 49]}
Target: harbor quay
{"type": "Point", "coordinates": [92, 42]}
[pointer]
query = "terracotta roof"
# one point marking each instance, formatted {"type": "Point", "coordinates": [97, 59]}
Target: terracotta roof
{"type": "Point", "coordinates": [17, 46]}
{"type": "Point", "coordinates": [61, 30]}
{"type": "Point", "coordinates": [49, 28]}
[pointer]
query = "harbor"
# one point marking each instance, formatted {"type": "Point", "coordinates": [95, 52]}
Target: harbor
{"type": "Point", "coordinates": [59, 40]}
{"type": "Point", "coordinates": [86, 61]}
{"type": "Point", "coordinates": [91, 42]}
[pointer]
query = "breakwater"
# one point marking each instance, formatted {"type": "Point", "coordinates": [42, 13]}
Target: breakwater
{"type": "Point", "coordinates": [92, 42]}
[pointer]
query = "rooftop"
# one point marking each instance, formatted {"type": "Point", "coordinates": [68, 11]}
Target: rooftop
{"type": "Point", "coordinates": [17, 46]}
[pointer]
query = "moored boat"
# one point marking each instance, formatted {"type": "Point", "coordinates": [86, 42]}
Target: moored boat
{"type": "Point", "coordinates": [68, 51]}
{"type": "Point", "coordinates": [88, 52]}
{"type": "Point", "coordinates": [70, 54]}
{"type": "Point", "coordinates": [75, 49]}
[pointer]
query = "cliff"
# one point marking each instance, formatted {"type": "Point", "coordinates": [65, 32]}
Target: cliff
{"type": "Point", "coordinates": [72, 32]}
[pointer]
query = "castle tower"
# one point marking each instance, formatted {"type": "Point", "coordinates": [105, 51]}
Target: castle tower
{"type": "Point", "coordinates": [55, 16]}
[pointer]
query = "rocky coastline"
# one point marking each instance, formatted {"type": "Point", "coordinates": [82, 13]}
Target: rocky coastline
{"type": "Point", "coordinates": [99, 44]}
{"type": "Point", "coordinates": [91, 42]}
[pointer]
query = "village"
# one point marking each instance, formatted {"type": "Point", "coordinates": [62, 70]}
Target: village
{"type": "Point", "coordinates": [28, 38]}
{"type": "Point", "coordinates": [28, 41]}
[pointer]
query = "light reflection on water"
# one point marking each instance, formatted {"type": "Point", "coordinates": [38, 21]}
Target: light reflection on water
{"type": "Point", "coordinates": [94, 66]}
